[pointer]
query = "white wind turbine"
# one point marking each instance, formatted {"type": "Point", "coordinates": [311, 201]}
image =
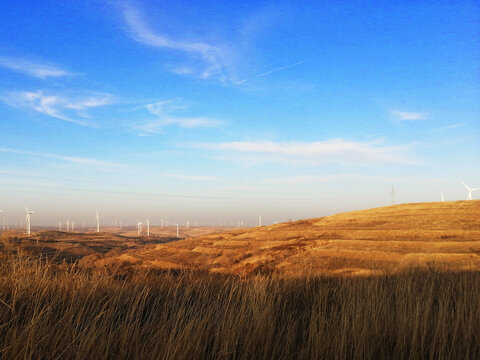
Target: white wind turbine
{"type": "Point", "coordinates": [259, 220]}
{"type": "Point", "coordinates": [59, 226]}
{"type": "Point", "coordinates": [443, 199]}
{"type": "Point", "coordinates": [68, 224]}
{"type": "Point", "coordinates": [469, 197]}
{"type": "Point", "coordinates": [148, 226]}
{"type": "Point", "coordinates": [28, 219]}
{"type": "Point", "coordinates": [4, 220]}
{"type": "Point", "coordinates": [97, 218]}
{"type": "Point", "coordinates": [177, 230]}
{"type": "Point", "coordinates": [139, 227]}
{"type": "Point", "coordinates": [4, 225]}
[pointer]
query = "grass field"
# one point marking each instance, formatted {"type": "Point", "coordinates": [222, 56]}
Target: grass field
{"type": "Point", "coordinates": [52, 311]}
{"type": "Point", "coordinates": [399, 282]}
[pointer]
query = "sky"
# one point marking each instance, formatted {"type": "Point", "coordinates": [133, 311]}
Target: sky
{"type": "Point", "coordinates": [218, 111]}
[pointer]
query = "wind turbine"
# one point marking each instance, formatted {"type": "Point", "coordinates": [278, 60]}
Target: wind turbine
{"type": "Point", "coordinates": [72, 226]}
{"type": "Point", "coordinates": [177, 230]}
{"type": "Point", "coordinates": [1, 211]}
{"type": "Point", "coordinates": [28, 219]}
{"type": "Point", "coordinates": [148, 226]}
{"type": "Point", "coordinates": [59, 226]}
{"type": "Point", "coordinates": [443, 199]}
{"type": "Point", "coordinates": [97, 218]}
{"type": "Point", "coordinates": [469, 197]}
{"type": "Point", "coordinates": [139, 227]}
{"type": "Point", "coordinates": [259, 220]}
{"type": "Point", "coordinates": [68, 224]}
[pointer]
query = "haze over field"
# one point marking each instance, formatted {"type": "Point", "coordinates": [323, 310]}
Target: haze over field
{"type": "Point", "coordinates": [220, 111]}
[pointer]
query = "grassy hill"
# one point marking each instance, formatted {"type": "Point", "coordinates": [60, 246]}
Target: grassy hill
{"type": "Point", "coordinates": [363, 242]}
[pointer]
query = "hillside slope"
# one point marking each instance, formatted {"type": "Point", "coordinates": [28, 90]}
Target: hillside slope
{"type": "Point", "coordinates": [360, 242]}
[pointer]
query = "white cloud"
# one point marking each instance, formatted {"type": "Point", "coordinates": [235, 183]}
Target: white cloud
{"type": "Point", "coordinates": [163, 109]}
{"type": "Point", "coordinates": [310, 179]}
{"type": "Point", "coordinates": [57, 106]}
{"type": "Point", "coordinates": [191, 177]}
{"type": "Point", "coordinates": [35, 69]}
{"type": "Point", "coordinates": [72, 159]}
{"type": "Point", "coordinates": [405, 116]}
{"type": "Point", "coordinates": [336, 150]}
{"type": "Point", "coordinates": [213, 56]}
{"type": "Point", "coordinates": [453, 126]}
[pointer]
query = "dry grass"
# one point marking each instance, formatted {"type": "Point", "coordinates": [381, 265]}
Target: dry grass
{"type": "Point", "coordinates": [354, 243]}
{"type": "Point", "coordinates": [52, 310]}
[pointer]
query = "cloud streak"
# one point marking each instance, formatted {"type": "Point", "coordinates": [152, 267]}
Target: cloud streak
{"type": "Point", "coordinates": [280, 68]}
{"type": "Point", "coordinates": [163, 111]}
{"type": "Point", "coordinates": [336, 150]}
{"type": "Point", "coordinates": [213, 56]}
{"type": "Point", "coordinates": [191, 177]}
{"type": "Point", "coordinates": [35, 69]}
{"type": "Point", "coordinates": [57, 106]}
{"type": "Point", "coordinates": [408, 116]}
{"type": "Point", "coordinates": [71, 159]}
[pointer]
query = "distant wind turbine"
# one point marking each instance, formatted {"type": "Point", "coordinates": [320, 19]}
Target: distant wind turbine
{"type": "Point", "coordinates": [177, 230]}
{"type": "Point", "coordinates": [59, 226]}
{"type": "Point", "coordinates": [4, 225]}
{"type": "Point", "coordinates": [148, 226]}
{"type": "Point", "coordinates": [68, 224]}
{"type": "Point", "coordinates": [259, 220]}
{"type": "Point", "coordinates": [97, 218]}
{"type": "Point", "coordinates": [139, 227]}
{"type": "Point", "coordinates": [443, 199]}
{"type": "Point", "coordinates": [28, 219]}
{"type": "Point", "coordinates": [469, 197]}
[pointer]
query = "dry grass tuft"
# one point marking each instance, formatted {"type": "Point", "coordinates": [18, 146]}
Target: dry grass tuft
{"type": "Point", "coordinates": [52, 310]}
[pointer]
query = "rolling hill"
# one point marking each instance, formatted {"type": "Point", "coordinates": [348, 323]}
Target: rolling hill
{"type": "Point", "coordinates": [366, 242]}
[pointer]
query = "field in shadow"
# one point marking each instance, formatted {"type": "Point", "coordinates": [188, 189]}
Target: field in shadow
{"type": "Point", "coordinates": [52, 310]}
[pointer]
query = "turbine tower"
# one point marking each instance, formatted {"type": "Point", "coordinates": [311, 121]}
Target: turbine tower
{"type": "Point", "coordinates": [4, 225]}
{"type": "Point", "coordinates": [177, 230]}
{"type": "Point", "coordinates": [68, 224]}
{"type": "Point", "coordinates": [148, 226]}
{"type": "Point", "coordinates": [28, 219]}
{"type": "Point", "coordinates": [59, 226]}
{"type": "Point", "coordinates": [139, 227]}
{"type": "Point", "coordinates": [97, 218]}
{"type": "Point", "coordinates": [469, 197]}
{"type": "Point", "coordinates": [259, 220]}
{"type": "Point", "coordinates": [443, 199]}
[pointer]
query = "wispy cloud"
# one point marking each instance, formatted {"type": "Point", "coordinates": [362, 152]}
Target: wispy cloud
{"type": "Point", "coordinates": [280, 68]}
{"type": "Point", "coordinates": [408, 116]}
{"type": "Point", "coordinates": [31, 68]}
{"type": "Point", "coordinates": [71, 159]}
{"type": "Point", "coordinates": [191, 177]}
{"type": "Point", "coordinates": [310, 179]}
{"type": "Point", "coordinates": [57, 106]}
{"type": "Point", "coordinates": [163, 111]}
{"type": "Point", "coordinates": [453, 126]}
{"type": "Point", "coordinates": [336, 150]}
{"type": "Point", "coordinates": [214, 57]}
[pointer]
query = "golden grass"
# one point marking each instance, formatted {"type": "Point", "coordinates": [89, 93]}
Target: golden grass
{"type": "Point", "coordinates": [55, 310]}
{"type": "Point", "coordinates": [359, 242]}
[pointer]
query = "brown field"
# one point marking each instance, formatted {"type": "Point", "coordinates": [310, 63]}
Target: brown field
{"type": "Point", "coordinates": [356, 243]}
{"type": "Point", "coordinates": [118, 296]}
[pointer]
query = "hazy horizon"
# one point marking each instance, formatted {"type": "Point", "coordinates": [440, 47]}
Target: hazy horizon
{"type": "Point", "coordinates": [219, 112]}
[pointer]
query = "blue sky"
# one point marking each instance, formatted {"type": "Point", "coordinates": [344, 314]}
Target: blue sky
{"type": "Point", "coordinates": [220, 111]}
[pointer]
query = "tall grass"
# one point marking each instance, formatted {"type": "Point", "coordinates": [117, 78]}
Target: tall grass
{"type": "Point", "coordinates": [60, 311]}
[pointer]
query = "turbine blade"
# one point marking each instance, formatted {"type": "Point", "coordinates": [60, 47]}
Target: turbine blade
{"type": "Point", "coordinates": [465, 185]}
{"type": "Point", "coordinates": [475, 189]}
